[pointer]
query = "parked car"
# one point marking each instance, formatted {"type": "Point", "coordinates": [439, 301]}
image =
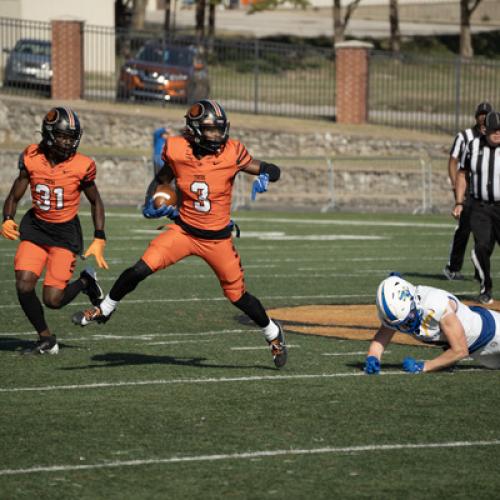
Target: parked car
{"type": "Point", "coordinates": [29, 64]}
{"type": "Point", "coordinates": [164, 72]}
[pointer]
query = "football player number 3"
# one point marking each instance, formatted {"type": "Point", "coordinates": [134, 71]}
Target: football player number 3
{"type": "Point", "coordinates": [202, 204]}
{"type": "Point", "coordinates": [44, 197]}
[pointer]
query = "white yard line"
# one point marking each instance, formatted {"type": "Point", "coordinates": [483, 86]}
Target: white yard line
{"type": "Point", "coordinates": [357, 353]}
{"type": "Point", "coordinates": [259, 347]}
{"type": "Point", "coordinates": [251, 455]}
{"type": "Point", "coordinates": [218, 299]}
{"type": "Point", "coordinates": [284, 220]}
{"type": "Point", "coordinates": [105, 385]}
{"type": "Point", "coordinates": [133, 336]}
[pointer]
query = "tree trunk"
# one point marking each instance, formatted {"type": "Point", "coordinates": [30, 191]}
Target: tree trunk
{"type": "Point", "coordinates": [211, 25]}
{"type": "Point", "coordinates": [467, 8]}
{"type": "Point", "coordinates": [394, 22]}
{"type": "Point", "coordinates": [200, 20]}
{"type": "Point", "coordinates": [465, 39]}
{"type": "Point", "coordinates": [138, 14]}
{"type": "Point", "coordinates": [338, 28]}
{"type": "Point", "coordinates": [166, 24]}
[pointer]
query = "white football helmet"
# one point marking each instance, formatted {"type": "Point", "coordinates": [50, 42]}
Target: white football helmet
{"type": "Point", "coordinates": [397, 306]}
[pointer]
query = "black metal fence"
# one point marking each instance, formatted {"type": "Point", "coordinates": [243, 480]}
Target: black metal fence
{"type": "Point", "coordinates": [430, 93]}
{"type": "Point", "coordinates": [258, 77]}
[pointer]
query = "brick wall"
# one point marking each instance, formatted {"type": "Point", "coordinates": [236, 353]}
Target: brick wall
{"type": "Point", "coordinates": [352, 82]}
{"type": "Point", "coordinates": [67, 60]}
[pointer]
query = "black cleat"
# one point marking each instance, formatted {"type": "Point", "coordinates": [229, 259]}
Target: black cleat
{"type": "Point", "coordinates": [452, 275]}
{"type": "Point", "coordinates": [279, 349]}
{"type": "Point", "coordinates": [93, 289]}
{"type": "Point", "coordinates": [90, 315]}
{"type": "Point", "coordinates": [45, 345]}
{"type": "Point", "coordinates": [485, 298]}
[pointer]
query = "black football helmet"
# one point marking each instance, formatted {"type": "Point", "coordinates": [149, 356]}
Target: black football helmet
{"type": "Point", "coordinates": [202, 118]}
{"type": "Point", "coordinates": [61, 133]}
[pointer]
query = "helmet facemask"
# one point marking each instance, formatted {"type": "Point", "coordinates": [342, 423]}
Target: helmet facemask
{"type": "Point", "coordinates": [207, 126]}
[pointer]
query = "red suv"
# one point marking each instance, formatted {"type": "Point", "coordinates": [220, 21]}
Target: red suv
{"type": "Point", "coordinates": [164, 72]}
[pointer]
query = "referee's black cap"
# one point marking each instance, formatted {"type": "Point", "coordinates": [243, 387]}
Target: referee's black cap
{"type": "Point", "coordinates": [492, 121]}
{"type": "Point", "coordinates": [483, 108]}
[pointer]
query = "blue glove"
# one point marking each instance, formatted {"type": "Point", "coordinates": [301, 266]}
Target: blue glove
{"type": "Point", "coordinates": [260, 185]}
{"type": "Point", "coordinates": [411, 365]}
{"type": "Point", "coordinates": [372, 365]}
{"type": "Point", "coordinates": [150, 212]}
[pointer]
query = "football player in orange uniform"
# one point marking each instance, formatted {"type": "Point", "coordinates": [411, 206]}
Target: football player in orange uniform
{"type": "Point", "coordinates": [50, 231]}
{"type": "Point", "coordinates": [204, 162]}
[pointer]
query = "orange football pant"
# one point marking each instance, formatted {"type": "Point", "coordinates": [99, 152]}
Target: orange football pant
{"type": "Point", "coordinates": [175, 244]}
{"type": "Point", "coordinates": [59, 263]}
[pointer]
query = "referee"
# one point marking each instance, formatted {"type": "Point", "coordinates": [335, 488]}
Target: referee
{"type": "Point", "coordinates": [462, 231]}
{"type": "Point", "coordinates": [482, 165]}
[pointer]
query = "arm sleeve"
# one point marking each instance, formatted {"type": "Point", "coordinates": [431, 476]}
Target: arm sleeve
{"type": "Point", "coordinates": [21, 165]}
{"type": "Point", "coordinates": [243, 157]}
{"type": "Point", "coordinates": [464, 163]}
{"type": "Point", "coordinates": [457, 148]}
{"type": "Point", "coordinates": [89, 176]}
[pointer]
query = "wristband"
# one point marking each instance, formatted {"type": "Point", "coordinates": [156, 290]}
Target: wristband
{"type": "Point", "coordinates": [99, 233]}
{"type": "Point", "coordinates": [272, 170]}
{"type": "Point", "coordinates": [7, 217]}
{"type": "Point", "coordinates": [459, 204]}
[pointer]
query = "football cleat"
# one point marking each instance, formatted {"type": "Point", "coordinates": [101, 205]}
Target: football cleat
{"type": "Point", "coordinates": [90, 315]}
{"type": "Point", "coordinates": [45, 345]}
{"type": "Point", "coordinates": [278, 348]}
{"type": "Point", "coordinates": [93, 289]}
{"type": "Point", "coordinates": [452, 275]}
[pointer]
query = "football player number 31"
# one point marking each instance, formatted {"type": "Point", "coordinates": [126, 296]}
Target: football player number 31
{"type": "Point", "coordinates": [44, 193]}
{"type": "Point", "coordinates": [202, 204]}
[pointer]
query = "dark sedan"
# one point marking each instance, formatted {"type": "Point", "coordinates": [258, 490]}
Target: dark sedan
{"type": "Point", "coordinates": [29, 64]}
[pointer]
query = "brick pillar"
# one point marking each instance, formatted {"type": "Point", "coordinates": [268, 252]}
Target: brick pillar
{"type": "Point", "coordinates": [351, 78]}
{"type": "Point", "coordinates": [67, 60]}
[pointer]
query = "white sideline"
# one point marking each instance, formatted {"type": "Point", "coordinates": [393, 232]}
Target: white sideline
{"type": "Point", "coordinates": [249, 455]}
{"type": "Point", "coordinates": [103, 385]}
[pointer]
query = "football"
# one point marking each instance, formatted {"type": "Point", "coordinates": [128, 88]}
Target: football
{"type": "Point", "coordinates": [164, 195]}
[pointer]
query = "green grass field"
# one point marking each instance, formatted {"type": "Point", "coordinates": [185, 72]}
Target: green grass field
{"type": "Point", "coordinates": [176, 397]}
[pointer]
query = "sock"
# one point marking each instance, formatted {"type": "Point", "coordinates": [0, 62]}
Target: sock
{"type": "Point", "coordinates": [129, 279]}
{"type": "Point", "coordinates": [271, 331]}
{"type": "Point", "coordinates": [33, 309]}
{"type": "Point", "coordinates": [71, 291]}
{"type": "Point", "coordinates": [252, 307]}
{"type": "Point", "coordinates": [108, 305]}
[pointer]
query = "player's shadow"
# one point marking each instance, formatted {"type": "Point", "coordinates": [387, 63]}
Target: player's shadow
{"type": "Point", "coordinates": [398, 367]}
{"type": "Point", "coordinates": [116, 359]}
{"type": "Point", "coordinates": [13, 344]}
{"type": "Point", "coordinates": [433, 276]}
{"type": "Point", "coordinates": [361, 366]}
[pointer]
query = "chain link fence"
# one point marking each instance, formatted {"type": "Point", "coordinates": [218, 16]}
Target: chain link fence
{"type": "Point", "coordinates": [415, 185]}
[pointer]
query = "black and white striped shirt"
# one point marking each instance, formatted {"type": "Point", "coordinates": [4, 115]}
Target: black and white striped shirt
{"type": "Point", "coordinates": [482, 161]}
{"type": "Point", "coordinates": [462, 140]}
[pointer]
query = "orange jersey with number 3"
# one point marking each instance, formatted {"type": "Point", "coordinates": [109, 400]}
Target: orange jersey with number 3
{"type": "Point", "coordinates": [205, 183]}
{"type": "Point", "coordinates": [55, 190]}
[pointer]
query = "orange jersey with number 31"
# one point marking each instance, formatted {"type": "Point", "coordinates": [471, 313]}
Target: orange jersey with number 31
{"type": "Point", "coordinates": [55, 190]}
{"type": "Point", "coordinates": [206, 183]}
